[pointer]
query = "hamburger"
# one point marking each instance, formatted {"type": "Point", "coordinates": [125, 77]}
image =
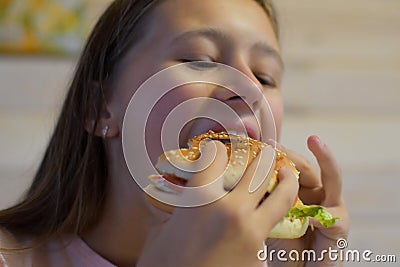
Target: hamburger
{"type": "Point", "coordinates": [241, 152]}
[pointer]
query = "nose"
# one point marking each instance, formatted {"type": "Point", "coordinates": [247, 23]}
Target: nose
{"type": "Point", "coordinates": [243, 87]}
{"type": "Point", "coordinates": [227, 94]}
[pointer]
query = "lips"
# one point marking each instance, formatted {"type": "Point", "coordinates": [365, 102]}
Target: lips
{"type": "Point", "coordinates": [246, 125]}
{"type": "Point", "coordinates": [242, 127]}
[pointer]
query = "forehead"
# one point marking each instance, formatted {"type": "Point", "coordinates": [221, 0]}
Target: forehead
{"type": "Point", "coordinates": [243, 19]}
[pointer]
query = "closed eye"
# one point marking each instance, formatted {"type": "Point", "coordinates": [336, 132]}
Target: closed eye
{"type": "Point", "coordinates": [266, 81]}
{"type": "Point", "coordinates": [199, 64]}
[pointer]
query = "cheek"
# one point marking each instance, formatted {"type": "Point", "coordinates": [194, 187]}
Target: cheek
{"type": "Point", "coordinates": [130, 75]}
{"type": "Point", "coordinates": [122, 94]}
{"type": "Point", "coordinates": [276, 105]}
{"type": "Point", "coordinates": [166, 120]}
{"type": "Point", "coordinates": [170, 107]}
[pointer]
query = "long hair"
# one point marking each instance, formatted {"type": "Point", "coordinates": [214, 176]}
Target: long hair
{"type": "Point", "coordinates": [69, 188]}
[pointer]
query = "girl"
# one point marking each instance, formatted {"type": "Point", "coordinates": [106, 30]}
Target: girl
{"type": "Point", "coordinates": [83, 207]}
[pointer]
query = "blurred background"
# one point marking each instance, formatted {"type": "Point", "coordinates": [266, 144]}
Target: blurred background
{"type": "Point", "coordinates": [342, 82]}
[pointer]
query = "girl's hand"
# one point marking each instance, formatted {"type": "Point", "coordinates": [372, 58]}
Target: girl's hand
{"type": "Point", "coordinates": [227, 232]}
{"type": "Point", "coordinates": [324, 188]}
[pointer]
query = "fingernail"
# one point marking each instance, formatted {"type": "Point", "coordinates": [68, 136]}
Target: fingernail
{"type": "Point", "coordinates": [162, 184]}
{"type": "Point", "coordinates": [320, 142]}
{"type": "Point", "coordinates": [274, 143]}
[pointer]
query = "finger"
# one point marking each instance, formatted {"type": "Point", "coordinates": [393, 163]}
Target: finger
{"type": "Point", "coordinates": [340, 228]}
{"type": "Point", "coordinates": [275, 207]}
{"type": "Point", "coordinates": [159, 199]}
{"type": "Point", "coordinates": [206, 185]}
{"type": "Point", "coordinates": [309, 176]}
{"type": "Point", "coordinates": [256, 178]}
{"type": "Point", "coordinates": [330, 172]}
{"type": "Point", "coordinates": [311, 196]}
{"type": "Point", "coordinates": [211, 164]}
{"type": "Point", "coordinates": [263, 168]}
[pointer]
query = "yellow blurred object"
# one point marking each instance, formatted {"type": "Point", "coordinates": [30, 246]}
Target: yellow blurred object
{"type": "Point", "coordinates": [46, 26]}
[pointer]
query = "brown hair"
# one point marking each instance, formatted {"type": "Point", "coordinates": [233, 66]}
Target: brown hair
{"type": "Point", "coordinates": [69, 188]}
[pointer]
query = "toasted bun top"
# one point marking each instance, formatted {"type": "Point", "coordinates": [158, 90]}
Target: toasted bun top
{"type": "Point", "coordinates": [241, 152]}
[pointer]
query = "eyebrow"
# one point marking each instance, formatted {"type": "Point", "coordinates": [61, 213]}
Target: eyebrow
{"type": "Point", "coordinates": [219, 36]}
{"type": "Point", "coordinates": [268, 50]}
{"type": "Point", "coordinates": [210, 33]}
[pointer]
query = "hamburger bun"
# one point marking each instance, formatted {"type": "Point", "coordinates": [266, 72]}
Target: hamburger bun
{"type": "Point", "coordinates": [173, 169]}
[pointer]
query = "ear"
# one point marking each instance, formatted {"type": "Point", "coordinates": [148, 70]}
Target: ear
{"type": "Point", "coordinates": [105, 125]}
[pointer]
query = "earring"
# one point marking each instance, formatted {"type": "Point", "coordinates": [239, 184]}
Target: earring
{"type": "Point", "coordinates": [104, 131]}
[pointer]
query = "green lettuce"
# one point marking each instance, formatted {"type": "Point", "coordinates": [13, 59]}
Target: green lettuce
{"type": "Point", "coordinates": [316, 212]}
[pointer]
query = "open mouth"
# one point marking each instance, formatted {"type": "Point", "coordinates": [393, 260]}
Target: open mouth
{"type": "Point", "coordinates": [247, 126]}
{"type": "Point", "coordinates": [245, 130]}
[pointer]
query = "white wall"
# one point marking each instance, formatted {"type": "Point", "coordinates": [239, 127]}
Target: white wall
{"type": "Point", "coordinates": [31, 92]}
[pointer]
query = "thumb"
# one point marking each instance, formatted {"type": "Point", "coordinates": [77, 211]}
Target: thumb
{"type": "Point", "coordinates": [206, 184]}
{"type": "Point", "coordinates": [210, 165]}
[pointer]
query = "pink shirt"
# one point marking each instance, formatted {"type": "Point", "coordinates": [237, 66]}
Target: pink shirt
{"type": "Point", "coordinates": [69, 252]}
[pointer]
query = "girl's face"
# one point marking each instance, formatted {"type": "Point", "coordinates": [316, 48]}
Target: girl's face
{"type": "Point", "coordinates": [237, 33]}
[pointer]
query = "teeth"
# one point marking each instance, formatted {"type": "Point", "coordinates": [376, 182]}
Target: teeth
{"type": "Point", "coordinates": [237, 133]}
{"type": "Point", "coordinates": [232, 132]}
{"type": "Point", "coordinates": [242, 134]}
{"type": "Point", "coordinates": [161, 184]}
